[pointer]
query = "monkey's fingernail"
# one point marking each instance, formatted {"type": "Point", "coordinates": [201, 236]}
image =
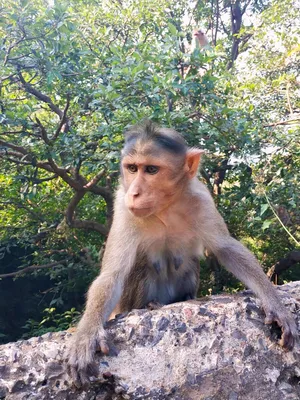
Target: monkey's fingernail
{"type": "Point", "coordinates": [269, 319]}
{"type": "Point", "coordinates": [104, 347]}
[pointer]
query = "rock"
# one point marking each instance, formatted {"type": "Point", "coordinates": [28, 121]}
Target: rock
{"type": "Point", "coordinates": [214, 349]}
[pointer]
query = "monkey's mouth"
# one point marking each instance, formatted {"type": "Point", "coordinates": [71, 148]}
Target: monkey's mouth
{"type": "Point", "coordinates": [141, 212]}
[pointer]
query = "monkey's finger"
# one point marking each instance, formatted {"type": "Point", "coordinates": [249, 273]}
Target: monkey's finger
{"type": "Point", "coordinates": [75, 377]}
{"type": "Point", "coordinates": [269, 318]}
{"type": "Point", "coordinates": [93, 370]}
{"type": "Point", "coordinates": [104, 346]}
{"type": "Point", "coordinates": [85, 381]}
{"type": "Point", "coordinates": [287, 339]}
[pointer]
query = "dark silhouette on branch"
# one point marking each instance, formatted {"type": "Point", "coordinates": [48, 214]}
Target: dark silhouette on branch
{"type": "Point", "coordinates": [283, 264]}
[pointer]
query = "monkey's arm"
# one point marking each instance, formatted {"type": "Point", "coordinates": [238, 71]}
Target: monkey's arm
{"type": "Point", "coordinates": [102, 298]}
{"type": "Point", "coordinates": [239, 261]}
{"type": "Point", "coordinates": [242, 263]}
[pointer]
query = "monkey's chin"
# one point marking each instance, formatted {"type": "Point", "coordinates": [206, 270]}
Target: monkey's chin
{"type": "Point", "coordinates": [141, 212]}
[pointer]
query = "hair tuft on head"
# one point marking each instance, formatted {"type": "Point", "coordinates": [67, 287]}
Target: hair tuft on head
{"type": "Point", "coordinates": [165, 138]}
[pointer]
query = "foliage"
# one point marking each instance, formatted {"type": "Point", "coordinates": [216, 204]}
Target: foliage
{"type": "Point", "coordinates": [75, 74]}
{"type": "Point", "coordinates": [52, 322]}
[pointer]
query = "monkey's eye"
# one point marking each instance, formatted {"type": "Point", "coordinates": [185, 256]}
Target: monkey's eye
{"type": "Point", "coordinates": [132, 168]}
{"type": "Point", "coordinates": [151, 169]}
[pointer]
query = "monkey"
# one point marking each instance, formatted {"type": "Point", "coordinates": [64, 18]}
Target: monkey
{"type": "Point", "coordinates": [200, 43]}
{"type": "Point", "coordinates": [201, 39]}
{"type": "Point", "coordinates": [164, 219]}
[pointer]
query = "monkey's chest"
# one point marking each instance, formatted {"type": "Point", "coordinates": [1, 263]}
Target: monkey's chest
{"type": "Point", "coordinates": [168, 264]}
{"type": "Point", "coordinates": [162, 274]}
{"type": "Point", "coordinates": [171, 271]}
{"type": "Point", "coordinates": [171, 277]}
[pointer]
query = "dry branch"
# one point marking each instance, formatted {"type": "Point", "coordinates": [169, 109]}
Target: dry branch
{"type": "Point", "coordinates": [32, 268]}
{"type": "Point", "coordinates": [288, 122]}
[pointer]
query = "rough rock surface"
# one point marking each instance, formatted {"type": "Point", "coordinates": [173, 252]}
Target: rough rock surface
{"type": "Point", "coordinates": [214, 349]}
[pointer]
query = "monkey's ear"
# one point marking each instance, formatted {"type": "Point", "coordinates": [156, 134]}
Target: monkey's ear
{"type": "Point", "coordinates": [192, 161]}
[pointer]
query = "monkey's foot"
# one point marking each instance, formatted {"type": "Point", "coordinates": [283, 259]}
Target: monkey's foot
{"type": "Point", "coordinates": [80, 355]}
{"type": "Point", "coordinates": [289, 331]}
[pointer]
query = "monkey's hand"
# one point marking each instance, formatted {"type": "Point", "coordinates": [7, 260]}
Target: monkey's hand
{"type": "Point", "coordinates": [286, 322]}
{"type": "Point", "coordinates": [81, 353]}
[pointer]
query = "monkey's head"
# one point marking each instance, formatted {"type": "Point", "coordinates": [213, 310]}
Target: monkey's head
{"type": "Point", "coordinates": [156, 166]}
{"type": "Point", "coordinates": [199, 34]}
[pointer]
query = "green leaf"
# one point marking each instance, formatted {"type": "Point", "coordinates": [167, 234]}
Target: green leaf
{"type": "Point", "coordinates": [266, 224]}
{"type": "Point", "coordinates": [263, 208]}
{"type": "Point", "coordinates": [172, 29]}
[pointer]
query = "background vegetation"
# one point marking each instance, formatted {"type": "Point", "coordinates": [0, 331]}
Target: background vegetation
{"type": "Point", "coordinates": [75, 74]}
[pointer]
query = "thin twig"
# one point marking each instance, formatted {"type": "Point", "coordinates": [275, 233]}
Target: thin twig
{"type": "Point", "coordinates": [63, 119]}
{"type": "Point", "coordinates": [288, 122]}
{"type": "Point", "coordinates": [43, 132]}
{"type": "Point", "coordinates": [284, 227]}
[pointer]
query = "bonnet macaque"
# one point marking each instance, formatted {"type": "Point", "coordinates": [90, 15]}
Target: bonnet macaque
{"type": "Point", "coordinates": [164, 219]}
{"type": "Point", "coordinates": [201, 38]}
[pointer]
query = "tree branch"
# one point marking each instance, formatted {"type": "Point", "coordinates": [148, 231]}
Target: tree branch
{"type": "Point", "coordinates": [63, 173]}
{"type": "Point", "coordinates": [199, 115]}
{"type": "Point", "coordinates": [44, 98]}
{"type": "Point", "coordinates": [206, 177]}
{"type": "Point", "coordinates": [283, 264]}
{"type": "Point", "coordinates": [11, 132]}
{"type": "Point", "coordinates": [12, 153]}
{"type": "Point", "coordinates": [63, 122]}
{"type": "Point", "coordinates": [43, 131]}
{"type": "Point", "coordinates": [220, 173]}
{"type": "Point", "coordinates": [32, 268]}
{"type": "Point", "coordinates": [19, 149]}
{"type": "Point", "coordinates": [87, 224]}
{"type": "Point", "coordinates": [93, 182]}
{"type": "Point", "coordinates": [41, 180]}
{"type": "Point", "coordinates": [75, 223]}
{"type": "Point", "coordinates": [22, 39]}
{"type": "Point", "coordinates": [44, 165]}
{"type": "Point", "coordinates": [288, 122]}
{"type": "Point", "coordinates": [19, 162]}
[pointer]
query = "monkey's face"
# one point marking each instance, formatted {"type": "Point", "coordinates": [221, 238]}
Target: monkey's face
{"type": "Point", "coordinates": [199, 34]}
{"type": "Point", "coordinates": [151, 181]}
